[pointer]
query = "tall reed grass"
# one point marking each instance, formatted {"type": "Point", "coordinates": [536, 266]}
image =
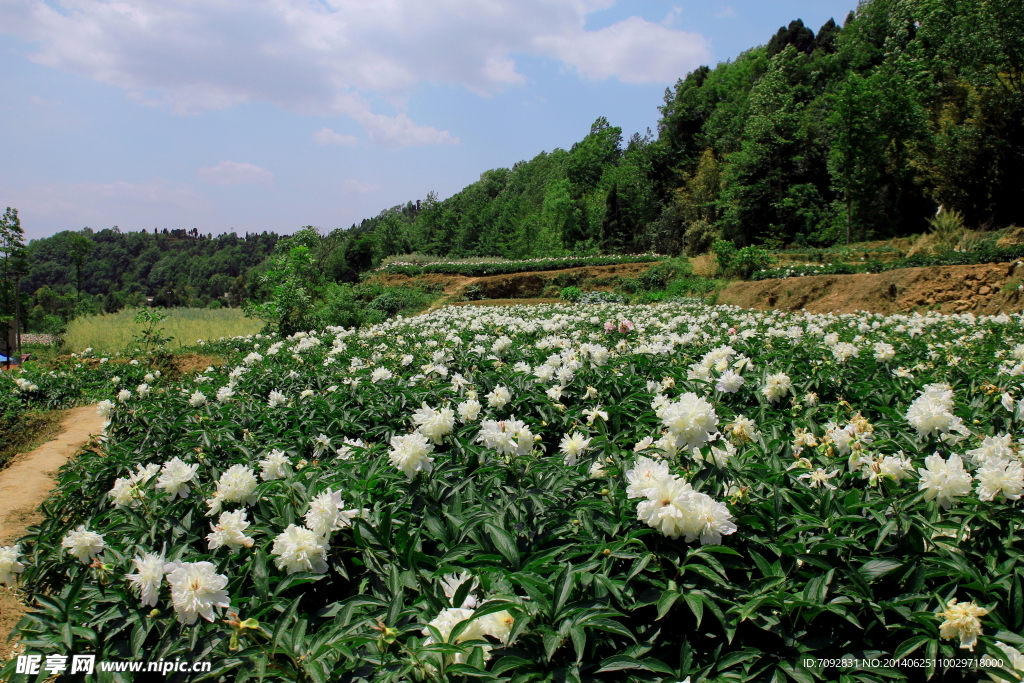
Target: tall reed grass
{"type": "Point", "coordinates": [112, 332]}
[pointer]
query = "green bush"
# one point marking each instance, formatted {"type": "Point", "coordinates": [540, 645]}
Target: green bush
{"type": "Point", "coordinates": [629, 285]}
{"type": "Point", "coordinates": [572, 294]}
{"type": "Point", "coordinates": [660, 274]}
{"type": "Point", "coordinates": [948, 229]}
{"type": "Point", "coordinates": [742, 263]}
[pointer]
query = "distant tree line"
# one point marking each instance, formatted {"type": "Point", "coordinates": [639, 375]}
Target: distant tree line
{"type": "Point", "coordinates": [858, 132]}
{"type": "Point", "coordinates": [75, 273]}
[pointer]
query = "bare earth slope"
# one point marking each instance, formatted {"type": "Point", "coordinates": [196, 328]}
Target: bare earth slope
{"type": "Point", "coordinates": [24, 485]}
{"type": "Point", "coordinates": [950, 289]}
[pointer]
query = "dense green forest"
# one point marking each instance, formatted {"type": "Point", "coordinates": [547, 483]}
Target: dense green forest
{"type": "Point", "coordinates": [858, 131]}
{"type": "Point", "coordinates": [74, 273]}
{"type": "Point", "coordinates": [854, 132]}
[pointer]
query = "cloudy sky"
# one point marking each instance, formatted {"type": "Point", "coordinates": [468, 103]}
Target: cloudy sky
{"type": "Point", "coordinates": [253, 115]}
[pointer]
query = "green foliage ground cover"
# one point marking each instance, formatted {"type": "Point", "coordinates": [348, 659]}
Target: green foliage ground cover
{"type": "Point", "coordinates": [518, 538]}
{"type": "Point", "coordinates": [952, 258]}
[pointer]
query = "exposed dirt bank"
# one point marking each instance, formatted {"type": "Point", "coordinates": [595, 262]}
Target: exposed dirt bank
{"type": "Point", "coordinates": [26, 483]}
{"type": "Point", "coordinates": [949, 289]}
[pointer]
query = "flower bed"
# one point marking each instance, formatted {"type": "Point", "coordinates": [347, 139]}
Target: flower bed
{"type": "Point", "coordinates": [597, 492]}
{"type": "Point", "coordinates": [508, 267]}
{"type": "Point", "coordinates": [956, 258]}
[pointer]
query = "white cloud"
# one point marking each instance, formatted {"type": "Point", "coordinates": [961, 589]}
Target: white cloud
{"type": "Point", "coordinates": [326, 136]}
{"type": "Point", "coordinates": [325, 57]}
{"type": "Point", "coordinates": [726, 12]}
{"type": "Point", "coordinates": [235, 173]}
{"type": "Point", "coordinates": [356, 187]}
{"type": "Point", "coordinates": [134, 206]}
{"type": "Point", "coordinates": [633, 50]}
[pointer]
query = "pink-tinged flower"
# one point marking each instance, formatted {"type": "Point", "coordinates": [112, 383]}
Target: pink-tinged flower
{"type": "Point", "coordinates": [609, 327]}
{"type": "Point", "coordinates": [625, 327]}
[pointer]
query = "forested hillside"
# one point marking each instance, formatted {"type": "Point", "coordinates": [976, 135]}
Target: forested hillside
{"type": "Point", "coordinates": [84, 272]}
{"type": "Point", "coordinates": [856, 131]}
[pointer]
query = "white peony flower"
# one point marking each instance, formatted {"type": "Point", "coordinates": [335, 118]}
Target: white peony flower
{"type": "Point", "coordinates": [83, 544]}
{"type": "Point", "coordinates": [992, 447]}
{"type": "Point", "coordinates": [123, 395]}
{"type": "Point", "coordinates": [149, 574]}
{"type": "Point", "coordinates": [380, 375]}
{"type": "Point", "coordinates": [776, 386]}
{"type": "Point", "coordinates": [409, 453]}
{"type": "Point", "coordinates": [274, 466]}
{"type": "Point", "coordinates": [225, 394]}
{"type": "Point", "coordinates": [507, 437]}
{"type": "Point", "coordinates": [961, 621]}
{"type": "Point", "coordinates": [298, 549]}
{"type": "Point", "coordinates": [884, 352]}
{"type": "Point", "coordinates": [895, 467]}
{"type": "Point", "coordinates": [730, 382]}
{"type": "Point", "coordinates": [236, 485]}
{"type": "Point", "coordinates": [445, 623]}
{"type": "Point", "coordinates": [1000, 478]}
{"type": "Point", "coordinates": [174, 477]}
{"type": "Point", "coordinates": [708, 519]}
{"type": "Point", "coordinates": [572, 446]}
{"type": "Point", "coordinates": [930, 413]}
{"type": "Point", "coordinates": [105, 408]}
{"type": "Point", "coordinates": [944, 480]}
{"type": "Point", "coordinates": [9, 564]}
{"type": "Point", "coordinates": [434, 424]}
{"type": "Point", "coordinates": [469, 410]}
{"type": "Point", "coordinates": [197, 400]}
{"type": "Point", "coordinates": [276, 399]}
{"type": "Point", "coordinates": [819, 477]}
{"type": "Point", "coordinates": [691, 420]}
{"type": "Point", "coordinates": [142, 390]}
{"type": "Point", "coordinates": [196, 588]}
{"type": "Point", "coordinates": [499, 398]}
{"type": "Point", "coordinates": [667, 506]}
{"type": "Point", "coordinates": [644, 476]}
{"type": "Point", "coordinates": [325, 513]}
{"type": "Point", "coordinates": [230, 531]}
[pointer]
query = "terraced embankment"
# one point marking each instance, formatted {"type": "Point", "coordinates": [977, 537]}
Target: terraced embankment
{"type": "Point", "coordinates": [979, 289]}
{"type": "Point", "coordinates": [526, 285]}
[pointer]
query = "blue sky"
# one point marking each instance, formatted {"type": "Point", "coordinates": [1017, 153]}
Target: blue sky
{"type": "Point", "coordinates": [253, 115]}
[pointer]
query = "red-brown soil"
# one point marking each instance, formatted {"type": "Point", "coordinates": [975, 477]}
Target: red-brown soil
{"type": "Point", "coordinates": [949, 289]}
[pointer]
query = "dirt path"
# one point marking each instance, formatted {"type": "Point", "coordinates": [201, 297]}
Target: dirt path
{"type": "Point", "coordinates": [24, 485]}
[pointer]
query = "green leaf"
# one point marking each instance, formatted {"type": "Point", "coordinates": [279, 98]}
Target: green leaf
{"type": "Point", "coordinates": [505, 544]}
{"type": "Point", "coordinates": [909, 645]}
{"type": "Point", "coordinates": [665, 602]}
{"type": "Point", "coordinates": [696, 605]}
{"type": "Point", "coordinates": [874, 569]}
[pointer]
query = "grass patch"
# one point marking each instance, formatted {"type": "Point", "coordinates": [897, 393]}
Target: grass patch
{"type": "Point", "coordinates": [29, 431]}
{"type": "Point", "coordinates": [112, 332]}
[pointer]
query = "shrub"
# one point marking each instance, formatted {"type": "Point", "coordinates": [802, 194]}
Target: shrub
{"type": "Point", "coordinates": [740, 262]}
{"type": "Point", "coordinates": [699, 237]}
{"type": "Point", "coordinates": [572, 294]}
{"type": "Point", "coordinates": [947, 228]}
